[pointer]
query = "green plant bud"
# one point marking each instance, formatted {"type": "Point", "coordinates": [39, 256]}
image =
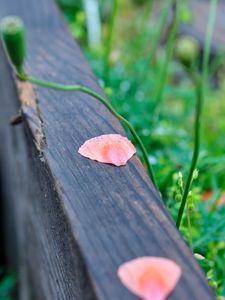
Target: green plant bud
{"type": "Point", "coordinates": [185, 13]}
{"type": "Point", "coordinates": [195, 174]}
{"type": "Point", "coordinates": [178, 198]}
{"type": "Point", "coordinates": [175, 177]}
{"type": "Point", "coordinates": [209, 274]}
{"type": "Point", "coordinates": [190, 201]}
{"type": "Point", "coordinates": [108, 91]}
{"type": "Point", "coordinates": [213, 284]}
{"type": "Point", "coordinates": [191, 207]}
{"type": "Point", "coordinates": [80, 18]}
{"type": "Point", "coordinates": [13, 34]}
{"type": "Point", "coordinates": [180, 180]}
{"type": "Point", "coordinates": [187, 50]}
{"type": "Point", "coordinates": [199, 256]}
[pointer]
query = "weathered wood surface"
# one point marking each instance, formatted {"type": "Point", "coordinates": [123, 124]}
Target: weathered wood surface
{"type": "Point", "coordinates": [73, 221]}
{"type": "Point", "coordinates": [198, 26]}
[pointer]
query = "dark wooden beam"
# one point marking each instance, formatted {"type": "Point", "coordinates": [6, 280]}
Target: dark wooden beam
{"type": "Point", "coordinates": [71, 222]}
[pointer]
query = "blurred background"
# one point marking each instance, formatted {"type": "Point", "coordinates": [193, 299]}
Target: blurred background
{"type": "Point", "coordinates": [138, 55]}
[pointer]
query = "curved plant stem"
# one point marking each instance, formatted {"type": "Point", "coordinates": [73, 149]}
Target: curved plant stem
{"type": "Point", "coordinates": [200, 91]}
{"type": "Point", "coordinates": [88, 91]}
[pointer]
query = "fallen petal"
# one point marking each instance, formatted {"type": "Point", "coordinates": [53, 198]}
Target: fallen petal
{"type": "Point", "coordinates": [150, 278]}
{"type": "Point", "coordinates": [206, 196]}
{"type": "Point", "coordinates": [108, 148]}
{"type": "Point", "coordinates": [221, 200]}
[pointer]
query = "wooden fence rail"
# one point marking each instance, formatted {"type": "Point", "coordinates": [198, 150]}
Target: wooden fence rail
{"type": "Point", "coordinates": [71, 222]}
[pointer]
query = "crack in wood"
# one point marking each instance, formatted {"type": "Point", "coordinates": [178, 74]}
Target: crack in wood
{"type": "Point", "coordinates": [31, 113]}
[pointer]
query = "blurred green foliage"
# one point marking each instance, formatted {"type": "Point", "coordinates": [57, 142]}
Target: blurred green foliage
{"type": "Point", "coordinates": [166, 128]}
{"type": "Point", "coordinates": [7, 286]}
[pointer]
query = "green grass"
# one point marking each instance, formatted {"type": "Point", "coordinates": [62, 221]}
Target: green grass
{"type": "Point", "coordinates": [166, 126]}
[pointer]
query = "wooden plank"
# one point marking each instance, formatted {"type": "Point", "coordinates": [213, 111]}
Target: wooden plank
{"type": "Point", "coordinates": [76, 220]}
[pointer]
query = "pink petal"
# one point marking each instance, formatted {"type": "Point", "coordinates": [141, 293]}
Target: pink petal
{"type": "Point", "coordinates": [108, 148]}
{"type": "Point", "coordinates": [150, 278]}
{"type": "Point", "coordinates": [221, 200]}
{"type": "Point", "coordinates": [206, 196]}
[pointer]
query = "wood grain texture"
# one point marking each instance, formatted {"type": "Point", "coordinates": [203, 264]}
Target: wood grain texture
{"type": "Point", "coordinates": [76, 220]}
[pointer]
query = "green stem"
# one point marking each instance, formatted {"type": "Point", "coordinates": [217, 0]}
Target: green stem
{"type": "Point", "coordinates": [207, 46]}
{"type": "Point", "coordinates": [145, 18]}
{"type": "Point", "coordinates": [88, 91]}
{"type": "Point", "coordinates": [200, 91]}
{"type": "Point", "coordinates": [161, 80]}
{"type": "Point", "coordinates": [109, 40]}
{"type": "Point", "coordinates": [157, 37]}
{"type": "Point", "coordinates": [197, 125]}
{"type": "Point", "coordinates": [189, 226]}
{"type": "Point", "coordinates": [140, 42]}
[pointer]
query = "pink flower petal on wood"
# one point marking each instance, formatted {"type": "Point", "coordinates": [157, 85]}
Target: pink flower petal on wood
{"type": "Point", "coordinates": [108, 148]}
{"type": "Point", "coordinates": [150, 278]}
